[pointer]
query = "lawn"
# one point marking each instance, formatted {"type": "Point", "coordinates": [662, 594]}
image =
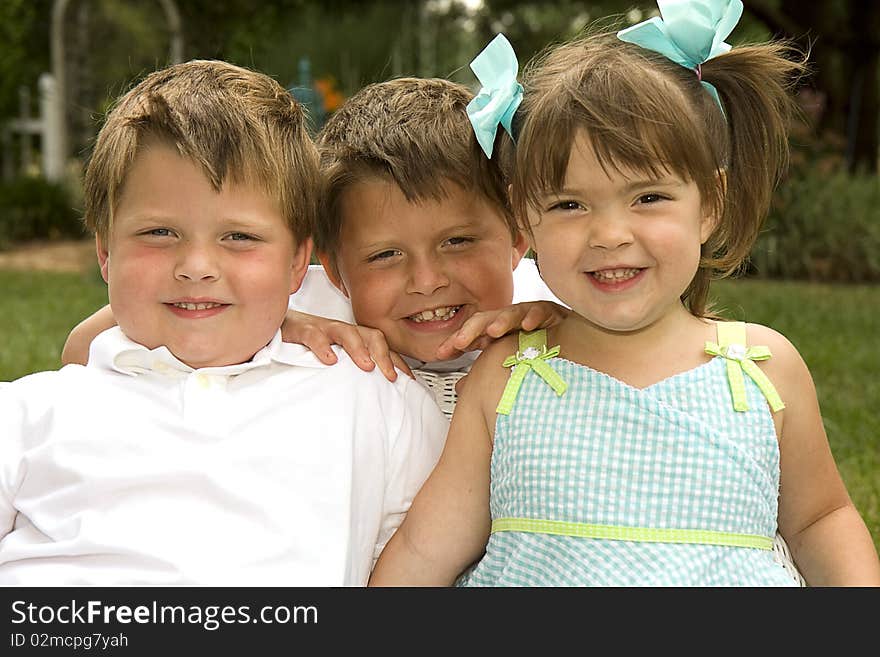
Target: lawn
{"type": "Point", "coordinates": [834, 328]}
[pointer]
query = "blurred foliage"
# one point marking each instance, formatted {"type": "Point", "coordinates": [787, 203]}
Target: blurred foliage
{"type": "Point", "coordinates": [823, 222]}
{"type": "Point", "coordinates": [350, 43]}
{"type": "Point", "coordinates": [23, 55]}
{"type": "Point", "coordinates": [32, 208]}
{"type": "Point", "coordinates": [823, 226]}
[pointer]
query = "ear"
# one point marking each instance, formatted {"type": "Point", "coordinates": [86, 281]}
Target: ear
{"type": "Point", "coordinates": [300, 266]}
{"type": "Point", "coordinates": [712, 217]}
{"type": "Point", "coordinates": [520, 246]}
{"type": "Point", "coordinates": [103, 258]}
{"type": "Point", "coordinates": [332, 274]}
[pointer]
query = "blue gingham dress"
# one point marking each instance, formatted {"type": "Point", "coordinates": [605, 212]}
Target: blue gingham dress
{"type": "Point", "coordinates": [673, 455]}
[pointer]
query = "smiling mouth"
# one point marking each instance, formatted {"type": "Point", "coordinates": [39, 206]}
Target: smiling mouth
{"type": "Point", "coordinates": [197, 306]}
{"type": "Point", "coordinates": [442, 314]}
{"type": "Point", "coordinates": [615, 275]}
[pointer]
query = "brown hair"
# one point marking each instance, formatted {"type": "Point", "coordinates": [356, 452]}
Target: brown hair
{"type": "Point", "coordinates": [412, 132]}
{"type": "Point", "coordinates": [234, 123]}
{"type": "Point", "coordinates": [644, 112]}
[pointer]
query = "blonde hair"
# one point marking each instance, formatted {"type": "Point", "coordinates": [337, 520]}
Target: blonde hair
{"type": "Point", "coordinates": [412, 132]}
{"type": "Point", "coordinates": [236, 124]}
{"type": "Point", "coordinates": [643, 112]}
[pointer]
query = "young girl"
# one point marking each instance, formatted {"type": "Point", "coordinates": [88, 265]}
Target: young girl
{"type": "Point", "coordinates": [640, 441]}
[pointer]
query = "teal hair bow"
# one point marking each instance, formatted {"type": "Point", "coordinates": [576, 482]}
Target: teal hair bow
{"type": "Point", "coordinates": [691, 32]}
{"type": "Point", "coordinates": [496, 68]}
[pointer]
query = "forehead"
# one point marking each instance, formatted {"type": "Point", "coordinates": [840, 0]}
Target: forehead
{"type": "Point", "coordinates": [585, 159]}
{"type": "Point", "coordinates": [377, 205]}
{"type": "Point", "coordinates": [162, 183]}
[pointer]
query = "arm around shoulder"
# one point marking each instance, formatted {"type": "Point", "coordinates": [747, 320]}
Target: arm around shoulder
{"type": "Point", "coordinates": [76, 347]}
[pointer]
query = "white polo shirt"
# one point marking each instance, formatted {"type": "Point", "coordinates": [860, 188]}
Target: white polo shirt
{"type": "Point", "coordinates": [137, 469]}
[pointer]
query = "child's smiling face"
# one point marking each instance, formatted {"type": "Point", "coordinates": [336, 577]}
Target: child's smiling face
{"type": "Point", "coordinates": [205, 273]}
{"type": "Point", "coordinates": [619, 247]}
{"type": "Point", "coordinates": [417, 271]}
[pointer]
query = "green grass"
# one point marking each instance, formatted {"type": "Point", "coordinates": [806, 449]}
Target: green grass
{"type": "Point", "coordinates": [37, 312]}
{"type": "Point", "coordinates": [834, 328]}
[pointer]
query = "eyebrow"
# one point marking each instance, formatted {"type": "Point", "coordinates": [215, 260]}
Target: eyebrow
{"type": "Point", "coordinates": [639, 183]}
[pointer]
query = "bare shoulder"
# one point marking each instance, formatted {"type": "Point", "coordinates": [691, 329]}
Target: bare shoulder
{"type": "Point", "coordinates": [488, 376]}
{"type": "Point", "coordinates": [782, 351]}
{"type": "Point", "coordinates": [785, 367]}
{"type": "Point", "coordinates": [491, 360]}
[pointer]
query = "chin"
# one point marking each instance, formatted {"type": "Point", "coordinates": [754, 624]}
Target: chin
{"type": "Point", "coordinates": [427, 354]}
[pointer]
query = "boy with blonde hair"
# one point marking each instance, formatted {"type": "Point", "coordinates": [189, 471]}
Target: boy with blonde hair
{"type": "Point", "coordinates": [196, 447]}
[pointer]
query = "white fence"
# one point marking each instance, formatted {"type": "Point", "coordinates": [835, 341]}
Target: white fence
{"type": "Point", "coordinates": [47, 126]}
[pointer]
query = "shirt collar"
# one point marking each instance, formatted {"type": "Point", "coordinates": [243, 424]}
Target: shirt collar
{"type": "Point", "coordinates": [462, 363]}
{"type": "Point", "coordinates": [113, 350]}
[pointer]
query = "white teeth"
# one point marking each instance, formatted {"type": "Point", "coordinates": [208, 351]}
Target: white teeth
{"type": "Point", "coordinates": [196, 306]}
{"type": "Point", "coordinates": [614, 274]}
{"type": "Point", "coordinates": [437, 314]}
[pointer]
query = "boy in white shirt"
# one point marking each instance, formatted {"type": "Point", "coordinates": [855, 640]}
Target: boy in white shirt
{"type": "Point", "coordinates": [196, 447]}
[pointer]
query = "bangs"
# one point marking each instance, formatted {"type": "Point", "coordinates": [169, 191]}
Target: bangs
{"type": "Point", "coordinates": [635, 119]}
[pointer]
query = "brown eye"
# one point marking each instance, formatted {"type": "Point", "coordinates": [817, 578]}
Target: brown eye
{"type": "Point", "coordinates": [566, 206]}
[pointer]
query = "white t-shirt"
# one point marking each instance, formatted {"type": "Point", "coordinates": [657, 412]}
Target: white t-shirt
{"type": "Point", "coordinates": [137, 469]}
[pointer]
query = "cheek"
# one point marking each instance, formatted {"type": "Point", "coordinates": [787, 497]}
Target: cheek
{"type": "Point", "coordinates": [372, 295]}
{"type": "Point", "coordinates": [136, 268]}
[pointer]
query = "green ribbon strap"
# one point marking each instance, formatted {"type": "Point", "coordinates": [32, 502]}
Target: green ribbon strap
{"type": "Point", "coordinates": [532, 355]}
{"type": "Point", "coordinates": [640, 534]}
{"type": "Point", "coordinates": [740, 359]}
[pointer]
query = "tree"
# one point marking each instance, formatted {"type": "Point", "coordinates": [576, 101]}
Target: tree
{"type": "Point", "coordinates": [23, 23]}
{"type": "Point", "coordinates": [844, 38]}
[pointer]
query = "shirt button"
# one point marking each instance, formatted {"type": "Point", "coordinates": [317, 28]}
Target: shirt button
{"type": "Point", "coordinates": [203, 380]}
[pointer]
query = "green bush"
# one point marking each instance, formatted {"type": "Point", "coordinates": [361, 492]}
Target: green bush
{"type": "Point", "coordinates": [824, 225]}
{"type": "Point", "coordinates": [34, 208]}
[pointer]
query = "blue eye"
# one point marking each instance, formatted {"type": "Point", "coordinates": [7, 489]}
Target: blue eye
{"type": "Point", "coordinates": [238, 237]}
{"type": "Point", "coordinates": [159, 232]}
{"type": "Point", "coordinates": [650, 198]}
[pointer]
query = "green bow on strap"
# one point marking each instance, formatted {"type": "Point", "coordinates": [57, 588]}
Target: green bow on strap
{"type": "Point", "coordinates": [532, 355]}
{"type": "Point", "coordinates": [741, 359]}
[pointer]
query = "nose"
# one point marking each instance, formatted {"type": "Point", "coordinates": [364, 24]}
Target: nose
{"type": "Point", "coordinates": [426, 275]}
{"type": "Point", "coordinates": [609, 231]}
{"type": "Point", "coordinates": [196, 262]}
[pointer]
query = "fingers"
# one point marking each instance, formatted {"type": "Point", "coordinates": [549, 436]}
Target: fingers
{"type": "Point", "coordinates": [446, 350]}
{"type": "Point", "coordinates": [351, 340]}
{"type": "Point", "coordinates": [480, 329]}
{"type": "Point", "coordinates": [317, 341]}
{"type": "Point", "coordinates": [401, 364]}
{"type": "Point", "coordinates": [377, 352]}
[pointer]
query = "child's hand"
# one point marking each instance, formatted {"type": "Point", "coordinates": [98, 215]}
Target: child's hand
{"type": "Point", "coordinates": [482, 328]}
{"type": "Point", "coordinates": [366, 346]}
